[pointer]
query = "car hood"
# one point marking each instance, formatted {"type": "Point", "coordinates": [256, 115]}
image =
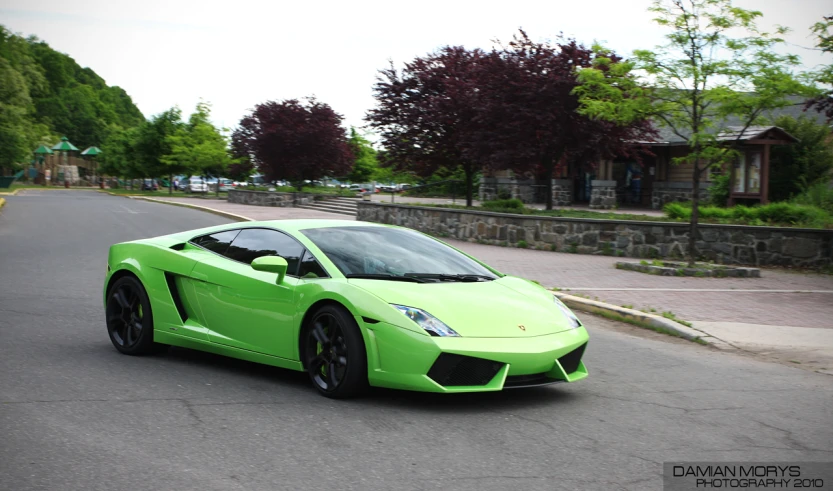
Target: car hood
{"type": "Point", "coordinates": [503, 308]}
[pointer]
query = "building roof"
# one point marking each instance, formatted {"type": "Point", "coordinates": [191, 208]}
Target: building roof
{"type": "Point", "coordinates": [666, 135]}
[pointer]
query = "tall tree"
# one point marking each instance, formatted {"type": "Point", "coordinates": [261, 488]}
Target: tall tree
{"type": "Point", "coordinates": [197, 146]}
{"type": "Point", "coordinates": [365, 164]}
{"type": "Point", "coordinates": [530, 119]}
{"type": "Point", "coordinates": [296, 140]}
{"type": "Point", "coordinates": [794, 168]}
{"type": "Point", "coordinates": [427, 113]}
{"type": "Point", "coordinates": [717, 70]}
{"type": "Point", "coordinates": [823, 103]}
{"type": "Point", "coordinates": [153, 144]}
{"type": "Point", "coordinates": [119, 156]}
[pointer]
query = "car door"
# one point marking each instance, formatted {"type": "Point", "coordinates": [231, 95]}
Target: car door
{"type": "Point", "coordinates": [244, 308]}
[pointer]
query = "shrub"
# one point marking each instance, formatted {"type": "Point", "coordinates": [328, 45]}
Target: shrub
{"type": "Point", "coordinates": [514, 204]}
{"type": "Point", "coordinates": [719, 190]}
{"type": "Point", "coordinates": [677, 211]}
{"type": "Point", "coordinates": [819, 194]}
{"type": "Point", "coordinates": [782, 213]}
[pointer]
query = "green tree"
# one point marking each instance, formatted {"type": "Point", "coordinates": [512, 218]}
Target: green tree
{"type": "Point", "coordinates": [823, 103]}
{"type": "Point", "coordinates": [717, 70]}
{"type": "Point", "coordinates": [365, 164]}
{"type": "Point", "coordinates": [152, 144]}
{"type": "Point", "coordinates": [197, 146]}
{"type": "Point", "coordinates": [119, 157]}
{"type": "Point", "coordinates": [15, 104]}
{"type": "Point", "coordinates": [794, 168]}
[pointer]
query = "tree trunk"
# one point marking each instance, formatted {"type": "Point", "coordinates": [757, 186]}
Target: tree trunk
{"type": "Point", "coordinates": [469, 186]}
{"type": "Point", "coordinates": [695, 214]}
{"type": "Point", "coordinates": [548, 169]}
{"type": "Point", "coordinates": [170, 184]}
{"type": "Point", "coordinates": [548, 164]}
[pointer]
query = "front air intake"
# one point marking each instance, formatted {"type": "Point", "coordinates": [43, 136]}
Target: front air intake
{"type": "Point", "coordinates": [457, 370]}
{"type": "Point", "coordinates": [570, 361]}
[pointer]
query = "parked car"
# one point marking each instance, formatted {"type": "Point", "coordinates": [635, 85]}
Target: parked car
{"type": "Point", "coordinates": [226, 184]}
{"type": "Point", "coordinates": [195, 185]}
{"type": "Point", "coordinates": [150, 185]}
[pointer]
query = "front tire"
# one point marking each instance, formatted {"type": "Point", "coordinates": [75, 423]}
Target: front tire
{"type": "Point", "coordinates": [334, 353]}
{"type": "Point", "coordinates": [129, 317]}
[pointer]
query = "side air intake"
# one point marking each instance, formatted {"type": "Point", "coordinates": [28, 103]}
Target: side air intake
{"type": "Point", "coordinates": [170, 278]}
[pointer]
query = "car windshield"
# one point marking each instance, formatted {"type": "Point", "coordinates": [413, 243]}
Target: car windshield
{"type": "Point", "coordinates": [393, 253]}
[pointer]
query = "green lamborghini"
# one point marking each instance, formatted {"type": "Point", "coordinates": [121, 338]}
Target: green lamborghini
{"type": "Point", "coordinates": [353, 304]}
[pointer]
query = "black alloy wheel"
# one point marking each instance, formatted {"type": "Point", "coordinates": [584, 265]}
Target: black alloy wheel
{"type": "Point", "coordinates": [334, 353]}
{"type": "Point", "coordinates": [129, 318]}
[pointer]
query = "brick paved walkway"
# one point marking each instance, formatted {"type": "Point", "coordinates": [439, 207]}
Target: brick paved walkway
{"type": "Point", "coordinates": [596, 277]}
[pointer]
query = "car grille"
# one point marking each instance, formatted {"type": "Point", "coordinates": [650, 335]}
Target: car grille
{"type": "Point", "coordinates": [570, 361]}
{"type": "Point", "coordinates": [455, 370]}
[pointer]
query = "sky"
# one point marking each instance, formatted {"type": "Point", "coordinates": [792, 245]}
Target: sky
{"type": "Point", "coordinates": [236, 54]}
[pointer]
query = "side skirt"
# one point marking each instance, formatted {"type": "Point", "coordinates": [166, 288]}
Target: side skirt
{"type": "Point", "coordinates": [218, 349]}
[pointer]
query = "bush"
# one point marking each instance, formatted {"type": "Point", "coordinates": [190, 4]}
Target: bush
{"type": "Point", "coordinates": [719, 190]}
{"type": "Point", "coordinates": [503, 204]}
{"type": "Point", "coordinates": [677, 211]}
{"type": "Point", "coordinates": [819, 194]}
{"type": "Point", "coordinates": [782, 213]}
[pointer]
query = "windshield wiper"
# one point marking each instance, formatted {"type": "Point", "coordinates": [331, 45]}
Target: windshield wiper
{"type": "Point", "coordinates": [450, 277]}
{"type": "Point", "coordinates": [385, 276]}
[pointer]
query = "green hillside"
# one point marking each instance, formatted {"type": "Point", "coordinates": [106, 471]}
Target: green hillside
{"type": "Point", "coordinates": [45, 94]}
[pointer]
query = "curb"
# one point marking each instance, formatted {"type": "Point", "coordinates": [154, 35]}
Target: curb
{"type": "Point", "coordinates": [655, 321]}
{"type": "Point", "coordinates": [225, 214]}
{"type": "Point", "coordinates": [11, 193]}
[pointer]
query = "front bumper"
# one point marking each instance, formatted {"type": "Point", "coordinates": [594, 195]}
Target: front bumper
{"type": "Point", "coordinates": [402, 359]}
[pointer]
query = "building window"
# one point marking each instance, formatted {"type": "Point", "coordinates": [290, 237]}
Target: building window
{"type": "Point", "coordinates": [748, 173]}
{"type": "Point", "coordinates": [753, 163]}
{"type": "Point", "coordinates": [740, 176]}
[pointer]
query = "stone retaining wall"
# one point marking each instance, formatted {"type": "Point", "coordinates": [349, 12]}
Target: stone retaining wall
{"type": "Point", "coordinates": [729, 244]}
{"type": "Point", "coordinates": [669, 192]}
{"type": "Point", "coordinates": [269, 198]}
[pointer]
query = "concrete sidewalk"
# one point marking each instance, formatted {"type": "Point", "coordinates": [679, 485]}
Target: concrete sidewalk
{"type": "Point", "coordinates": [786, 315]}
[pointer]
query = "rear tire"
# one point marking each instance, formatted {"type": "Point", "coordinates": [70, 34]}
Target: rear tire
{"type": "Point", "coordinates": [334, 353]}
{"type": "Point", "coordinates": [130, 319]}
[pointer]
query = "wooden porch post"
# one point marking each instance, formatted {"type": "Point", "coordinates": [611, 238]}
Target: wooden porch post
{"type": "Point", "coordinates": [765, 176]}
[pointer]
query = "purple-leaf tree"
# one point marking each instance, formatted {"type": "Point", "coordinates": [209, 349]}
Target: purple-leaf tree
{"type": "Point", "coordinates": [529, 120]}
{"type": "Point", "coordinates": [426, 113]}
{"type": "Point", "coordinates": [295, 140]}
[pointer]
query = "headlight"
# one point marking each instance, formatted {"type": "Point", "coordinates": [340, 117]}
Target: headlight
{"type": "Point", "coordinates": [567, 312]}
{"type": "Point", "coordinates": [431, 324]}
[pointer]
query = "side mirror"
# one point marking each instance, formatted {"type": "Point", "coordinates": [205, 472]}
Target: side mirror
{"type": "Point", "coordinates": [271, 264]}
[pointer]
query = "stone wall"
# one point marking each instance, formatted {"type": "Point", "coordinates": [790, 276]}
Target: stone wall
{"type": "Point", "coordinates": [528, 191]}
{"type": "Point", "coordinates": [729, 244]}
{"type": "Point", "coordinates": [269, 198]}
{"type": "Point", "coordinates": [562, 192]}
{"type": "Point", "coordinates": [603, 194]}
{"type": "Point", "coordinates": [669, 192]}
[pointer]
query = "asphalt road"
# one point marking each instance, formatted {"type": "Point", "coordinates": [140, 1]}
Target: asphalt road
{"type": "Point", "coordinates": [75, 414]}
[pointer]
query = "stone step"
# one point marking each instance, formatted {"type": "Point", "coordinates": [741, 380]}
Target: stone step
{"type": "Point", "coordinates": [334, 204]}
{"type": "Point", "coordinates": [329, 209]}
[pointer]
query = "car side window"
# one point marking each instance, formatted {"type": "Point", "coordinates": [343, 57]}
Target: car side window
{"type": "Point", "coordinates": [253, 243]}
{"type": "Point", "coordinates": [218, 242]}
{"type": "Point", "coordinates": [310, 268]}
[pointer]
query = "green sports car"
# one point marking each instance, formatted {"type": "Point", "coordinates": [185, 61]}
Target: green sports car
{"type": "Point", "coordinates": [351, 303]}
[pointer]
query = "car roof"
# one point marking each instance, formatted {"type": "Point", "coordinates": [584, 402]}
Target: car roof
{"type": "Point", "coordinates": [291, 226]}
